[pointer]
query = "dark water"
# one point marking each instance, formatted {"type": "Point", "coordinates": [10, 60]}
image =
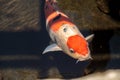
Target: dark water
{"type": "Point", "coordinates": [23, 50]}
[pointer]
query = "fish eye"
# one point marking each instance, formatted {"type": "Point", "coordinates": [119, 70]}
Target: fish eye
{"type": "Point", "coordinates": [65, 29]}
{"type": "Point", "coordinates": [72, 51]}
{"type": "Point", "coordinates": [74, 27]}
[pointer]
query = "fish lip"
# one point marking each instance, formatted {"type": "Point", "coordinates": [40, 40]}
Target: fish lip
{"type": "Point", "coordinates": [83, 58]}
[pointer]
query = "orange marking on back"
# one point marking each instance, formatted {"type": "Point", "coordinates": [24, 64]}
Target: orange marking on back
{"type": "Point", "coordinates": [78, 44]}
{"type": "Point", "coordinates": [53, 15]}
{"type": "Point", "coordinates": [55, 27]}
{"type": "Point", "coordinates": [63, 14]}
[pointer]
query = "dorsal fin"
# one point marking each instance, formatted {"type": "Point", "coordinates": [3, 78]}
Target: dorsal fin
{"type": "Point", "coordinates": [89, 38]}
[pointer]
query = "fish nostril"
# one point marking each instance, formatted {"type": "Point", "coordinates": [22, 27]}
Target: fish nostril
{"type": "Point", "coordinates": [84, 53]}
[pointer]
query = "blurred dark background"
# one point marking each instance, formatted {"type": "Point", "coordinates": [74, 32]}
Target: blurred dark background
{"type": "Point", "coordinates": [23, 37]}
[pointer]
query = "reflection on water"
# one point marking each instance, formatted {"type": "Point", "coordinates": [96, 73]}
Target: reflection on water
{"type": "Point", "coordinates": [114, 51]}
{"type": "Point", "coordinates": [100, 49]}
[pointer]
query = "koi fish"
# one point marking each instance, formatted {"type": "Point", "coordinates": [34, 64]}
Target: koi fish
{"type": "Point", "coordinates": [64, 33]}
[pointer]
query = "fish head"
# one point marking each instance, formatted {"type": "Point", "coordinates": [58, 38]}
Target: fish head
{"type": "Point", "coordinates": [78, 46]}
{"type": "Point", "coordinates": [75, 44]}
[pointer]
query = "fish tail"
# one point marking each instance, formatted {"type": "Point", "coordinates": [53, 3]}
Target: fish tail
{"type": "Point", "coordinates": [55, 1]}
{"type": "Point", "coordinates": [51, 1]}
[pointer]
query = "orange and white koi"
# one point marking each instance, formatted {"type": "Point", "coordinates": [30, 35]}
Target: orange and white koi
{"type": "Point", "coordinates": [65, 34]}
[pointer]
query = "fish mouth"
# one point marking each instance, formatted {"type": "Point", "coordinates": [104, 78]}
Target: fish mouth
{"type": "Point", "coordinates": [84, 59]}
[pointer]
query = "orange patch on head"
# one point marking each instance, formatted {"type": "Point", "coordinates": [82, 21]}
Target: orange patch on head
{"type": "Point", "coordinates": [78, 44]}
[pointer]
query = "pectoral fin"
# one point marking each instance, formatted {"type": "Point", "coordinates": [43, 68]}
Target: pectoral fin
{"type": "Point", "coordinates": [52, 47]}
{"type": "Point", "coordinates": [89, 38]}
